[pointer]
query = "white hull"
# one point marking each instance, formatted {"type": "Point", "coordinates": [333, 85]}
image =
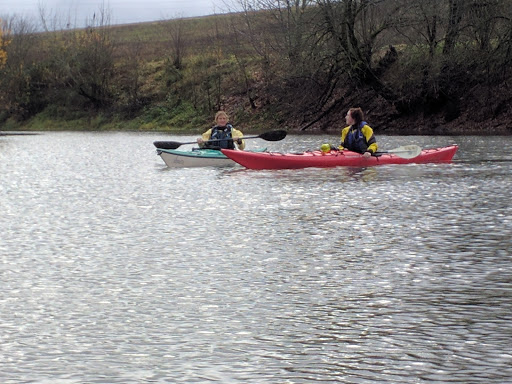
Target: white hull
{"type": "Point", "coordinates": [187, 160]}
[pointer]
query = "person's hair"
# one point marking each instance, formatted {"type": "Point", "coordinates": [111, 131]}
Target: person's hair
{"type": "Point", "coordinates": [357, 114]}
{"type": "Point", "coordinates": [221, 113]}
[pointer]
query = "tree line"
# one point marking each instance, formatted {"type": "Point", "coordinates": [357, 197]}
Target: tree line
{"type": "Point", "coordinates": [294, 63]}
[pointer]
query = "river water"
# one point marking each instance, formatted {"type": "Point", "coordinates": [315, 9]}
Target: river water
{"type": "Point", "coordinates": [117, 269]}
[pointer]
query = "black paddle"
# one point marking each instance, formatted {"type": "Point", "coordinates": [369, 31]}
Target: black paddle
{"type": "Point", "coordinates": [268, 136]}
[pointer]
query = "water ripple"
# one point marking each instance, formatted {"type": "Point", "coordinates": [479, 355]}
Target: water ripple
{"type": "Point", "coordinates": [116, 269]}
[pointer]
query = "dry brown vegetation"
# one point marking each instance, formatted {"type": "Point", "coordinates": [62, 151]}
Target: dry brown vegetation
{"type": "Point", "coordinates": [414, 66]}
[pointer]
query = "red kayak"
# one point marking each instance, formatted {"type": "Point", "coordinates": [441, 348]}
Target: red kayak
{"type": "Point", "coordinates": [411, 154]}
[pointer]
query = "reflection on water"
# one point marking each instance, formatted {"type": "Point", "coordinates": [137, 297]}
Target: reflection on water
{"type": "Point", "coordinates": [115, 268]}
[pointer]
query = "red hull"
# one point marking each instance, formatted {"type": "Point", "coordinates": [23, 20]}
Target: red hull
{"type": "Point", "coordinates": [275, 160]}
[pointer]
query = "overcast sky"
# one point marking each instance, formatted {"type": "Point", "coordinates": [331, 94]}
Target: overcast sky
{"type": "Point", "coordinates": [121, 11]}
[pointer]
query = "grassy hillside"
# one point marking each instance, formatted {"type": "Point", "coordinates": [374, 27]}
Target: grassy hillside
{"type": "Point", "coordinates": [298, 68]}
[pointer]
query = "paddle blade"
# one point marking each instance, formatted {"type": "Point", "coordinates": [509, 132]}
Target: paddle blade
{"type": "Point", "coordinates": [406, 151]}
{"type": "Point", "coordinates": [167, 144]}
{"type": "Point", "coordinates": [273, 135]}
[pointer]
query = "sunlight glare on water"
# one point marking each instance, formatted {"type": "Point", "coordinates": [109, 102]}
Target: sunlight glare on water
{"type": "Point", "coordinates": [117, 269]}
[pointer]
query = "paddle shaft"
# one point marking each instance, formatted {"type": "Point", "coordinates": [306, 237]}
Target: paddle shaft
{"type": "Point", "coordinates": [175, 144]}
{"type": "Point", "coordinates": [405, 152]}
{"type": "Point", "coordinates": [269, 136]}
{"type": "Point", "coordinates": [229, 138]}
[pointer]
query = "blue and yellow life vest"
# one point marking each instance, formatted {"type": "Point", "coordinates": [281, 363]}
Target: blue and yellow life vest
{"type": "Point", "coordinates": [355, 140]}
{"type": "Point", "coordinates": [222, 134]}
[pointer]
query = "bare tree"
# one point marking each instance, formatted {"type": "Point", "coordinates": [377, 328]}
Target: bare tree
{"type": "Point", "coordinates": [22, 81]}
{"type": "Point", "coordinates": [175, 30]}
{"type": "Point", "coordinates": [130, 77]}
{"type": "Point", "coordinates": [456, 9]}
{"type": "Point", "coordinates": [87, 58]}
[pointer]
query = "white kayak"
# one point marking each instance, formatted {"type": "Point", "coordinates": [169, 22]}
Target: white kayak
{"type": "Point", "coordinates": [196, 158]}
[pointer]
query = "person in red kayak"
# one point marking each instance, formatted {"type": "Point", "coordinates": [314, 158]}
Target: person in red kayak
{"type": "Point", "coordinates": [223, 133]}
{"type": "Point", "coordinates": [358, 135]}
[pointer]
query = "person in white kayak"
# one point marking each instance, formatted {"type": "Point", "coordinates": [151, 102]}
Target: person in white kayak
{"type": "Point", "coordinates": [222, 135]}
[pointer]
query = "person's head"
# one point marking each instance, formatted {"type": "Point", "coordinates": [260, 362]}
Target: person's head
{"type": "Point", "coordinates": [354, 116]}
{"type": "Point", "coordinates": [221, 118]}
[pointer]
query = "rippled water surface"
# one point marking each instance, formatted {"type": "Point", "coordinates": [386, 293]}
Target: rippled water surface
{"type": "Point", "coordinates": [116, 269]}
